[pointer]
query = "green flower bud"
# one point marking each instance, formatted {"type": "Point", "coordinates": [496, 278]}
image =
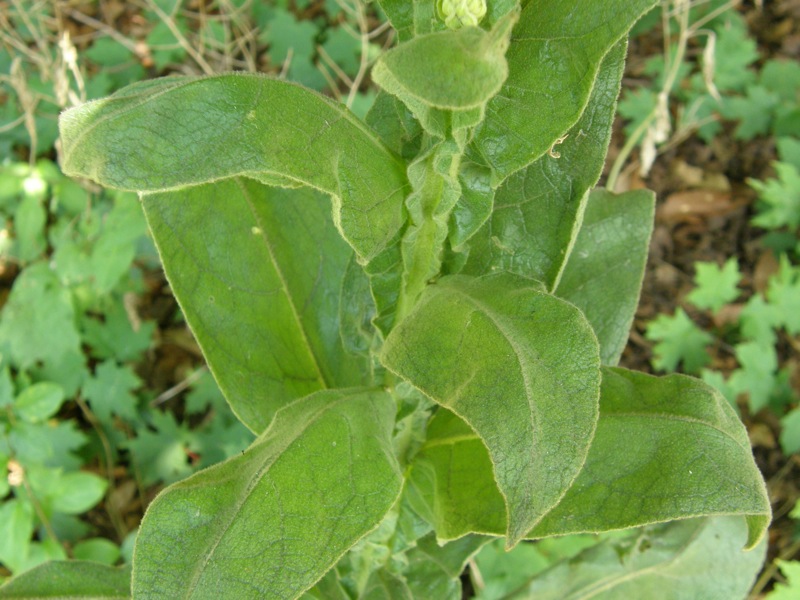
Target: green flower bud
{"type": "Point", "coordinates": [461, 13]}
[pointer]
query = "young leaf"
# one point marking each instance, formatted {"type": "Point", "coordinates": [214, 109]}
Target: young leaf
{"type": "Point", "coordinates": [456, 71]}
{"type": "Point", "coordinates": [433, 571]}
{"type": "Point", "coordinates": [715, 287]}
{"type": "Point", "coordinates": [264, 128]}
{"type": "Point", "coordinates": [537, 211]}
{"type": "Point", "coordinates": [272, 521]}
{"type": "Point", "coordinates": [486, 348]}
{"type": "Point", "coordinates": [68, 579]}
{"type": "Point", "coordinates": [665, 448]}
{"type": "Point", "coordinates": [556, 50]}
{"type": "Point", "coordinates": [259, 277]}
{"type": "Point", "coordinates": [603, 274]}
{"type": "Point", "coordinates": [451, 70]}
{"type": "Point", "coordinates": [698, 558]}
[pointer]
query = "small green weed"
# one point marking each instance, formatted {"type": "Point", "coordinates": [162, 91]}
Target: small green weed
{"type": "Point", "coordinates": [72, 407]}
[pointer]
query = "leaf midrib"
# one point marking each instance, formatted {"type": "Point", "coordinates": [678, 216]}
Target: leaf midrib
{"type": "Point", "coordinates": [285, 285]}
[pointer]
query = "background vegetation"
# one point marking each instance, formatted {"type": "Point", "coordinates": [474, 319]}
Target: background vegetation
{"type": "Point", "coordinates": [103, 395]}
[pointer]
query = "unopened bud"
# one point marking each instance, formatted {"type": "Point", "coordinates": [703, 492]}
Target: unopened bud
{"type": "Point", "coordinates": [461, 13]}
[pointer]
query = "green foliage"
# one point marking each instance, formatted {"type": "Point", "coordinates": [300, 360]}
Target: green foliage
{"type": "Point", "coordinates": [418, 364]}
{"type": "Point", "coordinates": [716, 286]}
{"type": "Point", "coordinates": [720, 84]}
{"type": "Point", "coordinates": [786, 591]}
{"type": "Point", "coordinates": [678, 341]}
{"type": "Point", "coordinates": [780, 198]}
{"type": "Point", "coordinates": [67, 299]}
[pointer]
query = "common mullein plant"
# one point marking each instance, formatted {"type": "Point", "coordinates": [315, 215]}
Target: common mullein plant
{"type": "Point", "coordinates": [421, 317]}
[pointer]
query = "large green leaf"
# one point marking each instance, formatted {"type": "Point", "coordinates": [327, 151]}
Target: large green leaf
{"type": "Point", "coordinates": [603, 274]}
{"type": "Point", "coordinates": [521, 367]}
{"type": "Point", "coordinates": [78, 579]}
{"type": "Point", "coordinates": [272, 521]}
{"type": "Point", "coordinates": [696, 558]}
{"type": "Point", "coordinates": [182, 131]}
{"type": "Point", "coordinates": [555, 53]}
{"type": "Point", "coordinates": [665, 448]}
{"type": "Point", "coordinates": [258, 272]}
{"type": "Point", "coordinates": [537, 211]}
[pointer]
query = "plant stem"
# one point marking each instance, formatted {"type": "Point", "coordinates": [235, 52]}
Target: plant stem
{"type": "Point", "coordinates": [673, 66]}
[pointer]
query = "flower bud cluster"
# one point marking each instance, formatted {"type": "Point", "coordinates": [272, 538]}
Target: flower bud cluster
{"type": "Point", "coordinates": [461, 13]}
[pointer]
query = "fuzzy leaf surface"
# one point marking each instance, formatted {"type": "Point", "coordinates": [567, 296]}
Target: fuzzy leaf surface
{"type": "Point", "coordinates": [665, 448]}
{"type": "Point", "coordinates": [520, 367]}
{"type": "Point", "coordinates": [696, 558]}
{"type": "Point", "coordinates": [78, 579]}
{"type": "Point", "coordinates": [603, 274]}
{"type": "Point", "coordinates": [556, 50]}
{"type": "Point", "coordinates": [269, 523]}
{"type": "Point", "coordinates": [537, 211]}
{"type": "Point", "coordinates": [258, 272]}
{"type": "Point", "coordinates": [452, 70]}
{"type": "Point", "coordinates": [176, 132]}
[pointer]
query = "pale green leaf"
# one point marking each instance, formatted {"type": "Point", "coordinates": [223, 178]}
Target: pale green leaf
{"type": "Point", "coordinates": [789, 590]}
{"type": "Point", "coordinates": [780, 198]}
{"type": "Point", "coordinates": [603, 274]}
{"type": "Point", "coordinates": [272, 521]}
{"type": "Point", "coordinates": [697, 558]}
{"type": "Point", "coordinates": [555, 54]}
{"type": "Point", "coordinates": [73, 579]}
{"type": "Point", "coordinates": [38, 320]}
{"type": "Point", "coordinates": [16, 529]}
{"type": "Point", "coordinates": [383, 585]}
{"type": "Point", "coordinates": [272, 130]}
{"type": "Point", "coordinates": [75, 493]}
{"type": "Point", "coordinates": [783, 293]}
{"type": "Point", "coordinates": [790, 434]}
{"type": "Point", "coordinates": [327, 588]}
{"type": "Point", "coordinates": [756, 375]}
{"type": "Point", "coordinates": [537, 212]}
{"type": "Point", "coordinates": [39, 402]}
{"type": "Point", "coordinates": [486, 348]}
{"type": "Point", "coordinates": [678, 340]}
{"type": "Point", "coordinates": [111, 391]}
{"type": "Point", "coordinates": [433, 571]}
{"type": "Point", "coordinates": [30, 219]}
{"type": "Point", "coordinates": [259, 277]}
{"type": "Point", "coordinates": [99, 550]}
{"type": "Point", "coordinates": [716, 286]}
{"type": "Point", "coordinates": [664, 448]}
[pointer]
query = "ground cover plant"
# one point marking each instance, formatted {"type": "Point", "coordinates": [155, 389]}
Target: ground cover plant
{"type": "Point", "coordinates": [433, 360]}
